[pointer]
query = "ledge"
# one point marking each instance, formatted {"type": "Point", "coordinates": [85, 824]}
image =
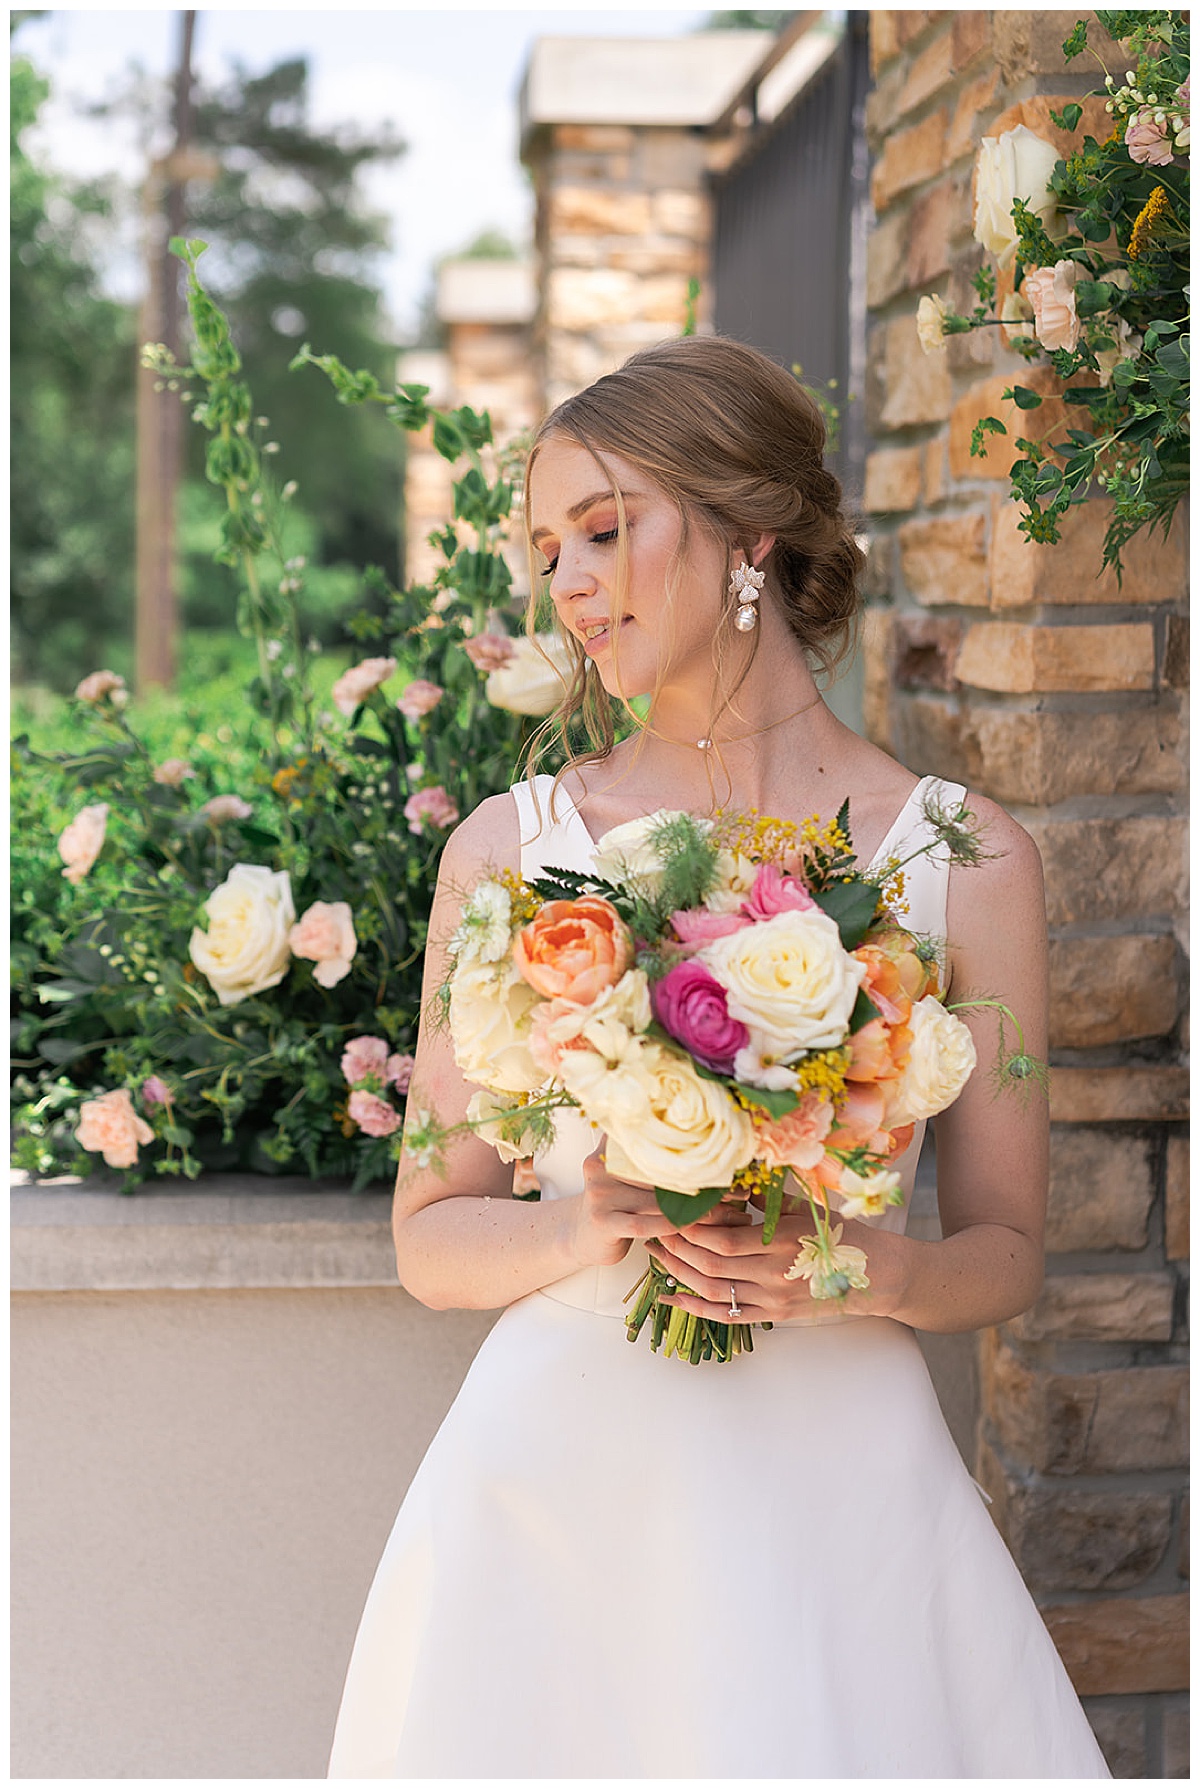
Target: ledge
{"type": "Point", "coordinates": [231, 1231]}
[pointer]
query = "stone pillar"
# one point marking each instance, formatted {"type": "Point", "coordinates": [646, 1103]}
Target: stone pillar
{"type": "Point", "coordinates": [1016, 669]}
{"type": "Point", "coordinates": [613, 133]}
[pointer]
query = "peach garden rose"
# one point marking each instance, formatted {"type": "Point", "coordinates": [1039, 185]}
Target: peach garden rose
{"type": "Point", "coordinates": [355, 685]}
{"type": "Point", "coordinates": [324, 935]}
{"type": "Point", "coordinates": [109, 1126]}
{"type": "Point", "coordinates": [79, 843]}
{"type": "Point", "coordinates": [573, 950]}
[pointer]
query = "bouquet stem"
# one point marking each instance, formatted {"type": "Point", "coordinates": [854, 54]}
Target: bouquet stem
{"type": "Point", "coordinates": [675, 1331]}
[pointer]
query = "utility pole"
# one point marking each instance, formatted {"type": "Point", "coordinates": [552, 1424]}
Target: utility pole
{"type": "Point", "coordinates": [159, 415]}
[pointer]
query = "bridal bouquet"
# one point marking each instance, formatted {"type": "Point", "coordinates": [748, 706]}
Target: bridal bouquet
{"type": "Point", "coordinates": [736, 1005]}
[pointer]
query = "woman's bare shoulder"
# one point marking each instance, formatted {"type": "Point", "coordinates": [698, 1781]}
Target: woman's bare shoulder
{"type": "Point", "coordinates": [489, 838]}
{"type": "Point", "coordinates": [1007, 880]}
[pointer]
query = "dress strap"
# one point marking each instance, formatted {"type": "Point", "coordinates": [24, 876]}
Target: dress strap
{"type": "Point", "coordinates": [927, 877]}
{"type": "Point", "coordinates": [552, 834]}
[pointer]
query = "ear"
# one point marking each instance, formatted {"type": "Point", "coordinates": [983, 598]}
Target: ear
{"type": "Point", "coordinates": [762, 547]}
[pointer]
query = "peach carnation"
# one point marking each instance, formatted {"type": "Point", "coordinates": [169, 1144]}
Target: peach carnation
{"type": "Point", "coordinates": [79, 843]}
{"type": "Point", "coordinates": [324, 935]}
{"type": "Point", "coordinates": [1051, 292]}
{"type": "Point", "coordinates": [430, 805]}
{"type": "Point", "coordinates": [573, 950]}
{"type": "Point", "coordinates": [420, 698]}
{"type": "Point", "coordinates": [110, 1126]}
{"type": "Point", "coordinates": [798, 1139]}
{"type": "Point", "coordinates": [355, 685]}
{"type": "Point", "coordinates": [489, 652]}
{"type": "Point", "coordinates": [372, 1114]}
{"type": "Point", "coordinates": [100, 684]}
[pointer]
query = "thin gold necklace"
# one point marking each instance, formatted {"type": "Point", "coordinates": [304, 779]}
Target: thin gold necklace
{"type": "Point", "coordinates": [706, 745]}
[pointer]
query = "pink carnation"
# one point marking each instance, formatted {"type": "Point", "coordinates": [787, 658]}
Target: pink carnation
{"type": "Point", "coordinates": [419, 699]}
{"type": "Point", "coordinates": [1148, 141]}
{"type": "Point", "coordinates": [775, 893]}
{"type": "Point", "coordinates": [489, 652]}
{"type": "Point", "coordinates": [797, 1140]}
{"type": "Point", "coordinates": [227, 807]}
{"type": "Point", "coordinates": [698, 926]}
{"type": "Point", "coordinates": [372, 1114]}
{"type": "Point", "coordinates": [400, 1072]}
{"type": "Point", "coordinates": [1051, 292]}
{"type": "Point", "coordinates": [355, 685]}
{"type": "Point", "coordinates": [100, 684]}
{"type": "Point", "coordinates": [363, 1058]}
{"type": "Point", "coordinates": [173, 772]}
{"type": "Point", "coordinates": [155, 1092]}
{"type": "Point", "coordinates": [430, 805]}
{"type": "Point", "coordinates": [324, 935]}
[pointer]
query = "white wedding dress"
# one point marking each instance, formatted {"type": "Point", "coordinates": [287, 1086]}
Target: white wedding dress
{"type": "Point", "coordinates": [614, 1564]}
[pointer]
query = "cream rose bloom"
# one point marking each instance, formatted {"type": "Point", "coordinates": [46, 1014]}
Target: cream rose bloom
{"type": "Point", "coordinates": [627, 853]}
{"type": "Point", "coordinates": [110, 1127]}
{"type": "Point", "coordinates": [789, 981]}
{"type": "Point", "coordinates": [931, 322]}
{"type": "Point", "coordinates": [490, 1008]}
{"type": "Point", "coordinates": [1015, 165]}
{"type": "Point", "coordinates": [245, 948]}
{"type": "Point", "coordinates": [735, 873]}
{"type": "Point", "coordinates": [689, 1135]}
{"type": "Point", "coordinates": [939, 1064]}
{"type": "Point", "coordinates": [526, 683]}
{"type": "Point", "coordinates": [324, 935]}
{"type": "Point", "coordinates": [79, 843]}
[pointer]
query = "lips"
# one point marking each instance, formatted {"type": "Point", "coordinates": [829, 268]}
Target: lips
{"type": "Point", "coordinates": [595, 642]}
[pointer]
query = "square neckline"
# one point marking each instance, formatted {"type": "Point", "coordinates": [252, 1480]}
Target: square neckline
{"type": "Point", "coordinates": [880, 849]}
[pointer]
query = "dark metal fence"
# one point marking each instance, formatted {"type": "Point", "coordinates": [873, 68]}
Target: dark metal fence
{"type": "Point", "coordinates": [789, 254]}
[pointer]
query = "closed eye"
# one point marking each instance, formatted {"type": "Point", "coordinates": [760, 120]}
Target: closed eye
{"type": "Point", "coordinates": [598, 540]}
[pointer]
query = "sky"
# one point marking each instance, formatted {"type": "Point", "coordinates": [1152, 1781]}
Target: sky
{"type": "Point", "coordinates": [447, 80]}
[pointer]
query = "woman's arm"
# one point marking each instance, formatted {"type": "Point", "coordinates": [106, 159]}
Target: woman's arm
{"type": "Point", "coordinates": [992, 1144]}
{"type": "Point", "coordinates": [461, 1240]}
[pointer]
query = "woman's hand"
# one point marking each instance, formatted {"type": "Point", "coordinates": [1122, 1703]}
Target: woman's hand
{"type": "Point", "coordinates": [724, 1250]}
{"type": "Point", "coordinates": [612, 1213]}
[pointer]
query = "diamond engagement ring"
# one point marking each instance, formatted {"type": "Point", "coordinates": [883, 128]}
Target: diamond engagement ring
{"type": "Point", "coordinates": [735, 1309]}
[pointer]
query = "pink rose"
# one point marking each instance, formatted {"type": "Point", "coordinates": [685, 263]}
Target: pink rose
{"type": "Point", "coordinates": [400, 1072]}
{"type": "Point", "coordinates": [355, 685]}
{"type": "Point", "coordinates": [693, 1006]}
{"type": "Point", "coordinates": [101, 684]}
{"type": "Point", "coordinates": [419, 698]}
{"type": "Point", "coordinates": [1147, 140]}
{"type": "Point", "coordinates": [155, 1092]}
{"type": "Point", "coordinates": [798, 1139]}
{"type": "Point", "coordinates": [110, 1125]}
{"type": "Point", "coordinates": [227, 807]}
{"type": "Point", "coordinates": [373, 1115]}
{"type": "Point", "coordinates": [173, 772]}
{"type": "Point", "coordinates": [364, 1058]}
{"type": "Point", "coordinates": [324, 935]}
{"type": "Point", "coordinates": [489, 652]}
{"type": "Point", "coordinates": [697, 925]}
{"type": "Point", "coordinates": [79, 843]}
{"type": "Point", "coordinates": [432, 805]}
{"type": "Point", "coordinates": [775, 893]}
{"type": "Point", "coordinates": [1051, 292]}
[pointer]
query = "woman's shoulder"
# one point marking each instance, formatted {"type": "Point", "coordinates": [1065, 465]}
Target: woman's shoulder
{"type": "Point", "coordinates": [489, 838]}
{"type": "Point", "coordinates": [1005, 883]}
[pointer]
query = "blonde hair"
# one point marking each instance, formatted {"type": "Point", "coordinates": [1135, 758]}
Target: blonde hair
{"type": "Point", "coordinates": [738, 445]}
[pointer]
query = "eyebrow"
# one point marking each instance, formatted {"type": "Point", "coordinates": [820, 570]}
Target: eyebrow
{"type": "Point", "coordinates": [579, 509]}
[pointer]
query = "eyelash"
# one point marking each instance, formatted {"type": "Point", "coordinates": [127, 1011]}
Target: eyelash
{"type": "Point", "coordinates": [598, 540]}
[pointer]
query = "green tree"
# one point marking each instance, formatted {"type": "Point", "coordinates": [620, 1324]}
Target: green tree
{"type": "Point", "coordinates": [72, 367]}
{"type": "Point", "coordinates": [749, 20]}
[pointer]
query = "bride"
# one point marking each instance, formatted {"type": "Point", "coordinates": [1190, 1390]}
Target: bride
{"type": "Point", "coordinates": [611, 1564]}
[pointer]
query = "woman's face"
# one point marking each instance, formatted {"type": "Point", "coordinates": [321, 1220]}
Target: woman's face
{"type": "Point", "coordinates": [573, 519]}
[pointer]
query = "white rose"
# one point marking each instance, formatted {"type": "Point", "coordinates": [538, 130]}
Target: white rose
{"type": "Point", "coordinates": [485, 927]}
{"type": "Point", "coordinates": [497, 1122]}
{"type": "Point", "coordinates": [689, 1135]}
{"type": "Point", "coordinates": [245, 948]}
{"type": "Point", "coordinates": [1015, 165]}
{"type": "Point", "coordinates": [939, 1064]}
{"type": "Point", "coordinates": [735, 880]}
{"type": "Point", "coordinates": [490, 1007]}
{"type": "Point", "coordinates": [527, 684]}
{"type": "Point", "coordinates": [789, 980]}
{"type": "Point", "coordinates": [931, 322]}
{"type": "Point", "coordinates": [628, 853]}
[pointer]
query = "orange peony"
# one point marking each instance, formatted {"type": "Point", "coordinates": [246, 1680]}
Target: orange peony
{"type": "Point", "coordinates": [573, 950]}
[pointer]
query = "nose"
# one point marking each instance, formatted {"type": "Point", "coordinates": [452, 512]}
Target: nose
{"type": "Point", "coordinates": [570, 578]}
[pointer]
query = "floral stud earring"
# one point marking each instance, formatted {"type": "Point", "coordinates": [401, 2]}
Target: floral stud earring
{"type": "Point", "coordinates": [744, 586]}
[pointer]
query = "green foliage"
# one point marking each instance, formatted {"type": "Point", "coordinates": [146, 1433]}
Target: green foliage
{"type": "Point", "coordinates": [107, 995]}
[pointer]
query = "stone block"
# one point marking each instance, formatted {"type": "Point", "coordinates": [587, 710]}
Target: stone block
{"type": "Point", "coordinates": [595, 137]}
{"type": "Point", "coordinates": [1154, 1094]}
{"type": "Point", "coordinates": [1125, 1419]}
{"type": "Point", "coordinates": [673, 159]}
{"type": "Point", "coordinates": [1101, 1190]}
{"type": "Point", "coordinates": [1176, 672]}
{"type": "Point", "coordinates": [1123, 1646]}
{"type": "Point", "coordinates": [1185, 1536]}
{"type": "Point", "coordinates": [680, 213]}
{"type": "Point", "coordinates": [1022, 659]}
{"type": "Point", "coordinates": [930, 223]}
{"type": "Point", "coordinates": [986, 399]}
{"type": "Point", "coordinates": [1178, 1212]}
{"type": "Point", "coordinates": [1034, 114]}
{"type": "Point", "coordinates": [1120, 1729]}
{"type": "Point", "coordinates": [663, 299]}
{"type": "Point", "coordinates": [944, 559]}
{"type": "Point", "coordinates": [1077, 1540]}
{"type": "Point", "coordinates": [1100, 1307]}
{"type": "Point", "coordinates": [970, 35]}
{"type": "Point", "coordinates": [909, 157]}
{"type": "Point", "coordinates": [579, 299]}
{"type": "Point", "coordinates": [976, 98]}
{"type": "Point", "coordinates": [1043, 758]}
{"type": "Point", "coordinates": [884, 38]}
{"type": "Point", "coordinates": [1030, 43]}
{"type": "Point", "coordinates": [932, 738]}
{"type": "Point", "coordinates": [876, 648]}
{"type": "Point", "coordinates": [1071, 571]}
{"type": "Point", "coordinates": [893, 480]}
{"type": "Point", "coordinates": [887, 257]}
{"type": "Point", "coordinates": [936, 484]}
{"type": "Point", "coordinates": [924, 648]}
{"type": "Point", "coordinates": [655, 255]}
{"type": "Point", "coordinates": [912, 24]}
{"type": "Point", "coordinates": [878, 583]}
{"type": "Point", "coordinates": [1112, 990]}
{"type": "Point", "coordinates": [1111, 869]}
{"type": "Point", "coordinates": [928, 73]}
{"type": "Point", "coordinates": [594, 211]}
{"type": "Point", "coordinates": [1176, 1740]}
{"type": "Point", "coordinates": [916, 385]}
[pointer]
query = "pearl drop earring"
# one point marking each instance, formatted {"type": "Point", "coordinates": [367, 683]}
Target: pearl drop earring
{"type": "Point", "coordinates": [744, 586]}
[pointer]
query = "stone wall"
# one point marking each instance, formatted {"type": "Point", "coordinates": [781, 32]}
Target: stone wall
{"type": "Point", "coordinates": [1018, 670]}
